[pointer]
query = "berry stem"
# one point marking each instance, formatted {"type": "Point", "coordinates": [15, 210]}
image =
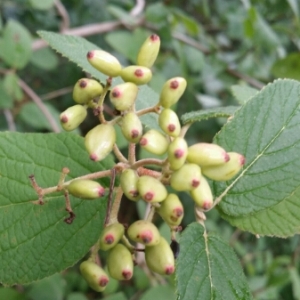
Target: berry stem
{"type": "Point", "coordinates": [148, 161]}
{"type": "Point", "coordinates": [113, 215]}
{"type": "Point", "coordinates": [65, 171]}
{"type": "Point", "coordinates": [110, 195]}
{"type": "Point", "coordinates": [184, 129]}
{"type": "Point", "coordinates": [101, 101]}
{"type": "Point", "coordinates": [71, 217]}
{"type": "Point", "coordinates": [131, 154]}
{"type": "Point", "coordinates": [119, 154]}
{"type": "Point", "coordinates": [152, 109]}
{"type": "Point", "coordinates": [127, 243]}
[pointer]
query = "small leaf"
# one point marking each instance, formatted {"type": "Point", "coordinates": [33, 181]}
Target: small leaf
{"type": "Point", "coordinates": [6, 101]}
{"type": "Point", "coordinates": [288, 67]}
{"type": "Point", "coordinates": [41, 5]}
{"type": "Point", "coordinates": [35, 241]}
{"type": "Point", "coordinates": [44, 59]}
{"type": "Point", "coordinates": [217, 112]}
{"type": "Point", "coordinates": [122, 15]}
{"type": "Point", "coordinates": [11, 85]}
{"type": "Point", "coordinates": [243, 93]}
{"type": "Point", "coordinates": [117, 296]}
{"type": "Point", "coordinates": [159, 292]}
{"type": "Point", "coordinates": [11, 294]}
{"type": "Point", "coordinates": [207, 268]}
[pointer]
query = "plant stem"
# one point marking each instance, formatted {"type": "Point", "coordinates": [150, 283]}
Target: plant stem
{"type": "Point", "coordinates": [119, 154]}
{"type": "Point", "coordinates": [148, 161]}
{"type": "Point", "coordinates": [131, 154]}
{"type": "Point", "coordinates": [154, 109]}
{"type": "Point", "coordinates": [113, 218]}
{"type": "Point", "coordinates": [101, 100]}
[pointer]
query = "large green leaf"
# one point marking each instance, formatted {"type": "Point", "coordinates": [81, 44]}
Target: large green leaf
{"type": "Point", "coordinates": [264, 197]}
{"type": "Point", "coordinates": [35, 242]}
{"type": "Point", "coordinates": [207, 268]}
{"type": "Point", "coordinates": [75, 49]}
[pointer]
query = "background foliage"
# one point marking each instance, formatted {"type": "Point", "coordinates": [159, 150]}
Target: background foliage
{"type": "Point", "coordinates": [227, 51]}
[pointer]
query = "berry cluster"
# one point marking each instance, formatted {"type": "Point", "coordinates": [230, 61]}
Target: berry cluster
{"type": "Point", "coordinates": [185, 168]}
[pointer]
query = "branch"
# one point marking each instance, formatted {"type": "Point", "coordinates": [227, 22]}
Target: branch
{"type": "Point", "coordinates": [65, 24]}
{"type": "Point", "coordinates": [252, 81]}
{"type": "Point", "coordinates": [9, 119]}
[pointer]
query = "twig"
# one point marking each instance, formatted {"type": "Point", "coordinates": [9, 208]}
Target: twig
{"type": "Point", "coordinates": [37, 100]}
{"type": "Point", "coordinates": [255, 83]}
{"type": "Point", "coordinates": [9, 119]}
{"type": "Point", "coordinates": [110, 195]}
{"type": "Point", "coordinates": [148, 161]}
{"type": "Point", "coordinates": [138, 8]}
{"type": "Point", "coordinates": [119, 154]}
{"type": "Point", "coordinates": [57, 93]}
{"type": "Point", "coordinates": [65, 24]}
{"type": "Point", "coordinates": [115, 207]}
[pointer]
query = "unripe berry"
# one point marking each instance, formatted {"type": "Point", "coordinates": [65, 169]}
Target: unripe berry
{"type": "Point", "coordinates": [104, 62]}
{"type": "Point", "coordinates": [72, 117]}
{"type": "Point", "coordinates": [123, 95]}
{"type": "Point", "coordinates": [177, 153]}
{"type": "Point", "coordinates": [171, 210]}
{"type": "Point", "coordinates": [151, 189]}
{"type": "Point", "coordinates": [154, 142]}
{"type": "Point", "coordinates": [86, 189]}
{"type": "Point", "coordinates": [94, 275]}
{"type": "Point", "coordinates": [86, 89]}
{"type": "Point", "coordinates": [171, 92]}
{"type": "Point", "coordinates": [120, 263]}
{"type": "Point", "coordinates": [99, 141]}
{"type": "Point", "coordinates": [129, 182]}
{"type": "Point", "coordinates": [186, 178]}
{"type": "Point", "coordinates": [136, 74]}
{"type": "Point", "coordinates": [160, 258]}
{"type": "Point", "coordinates": [132, 127]}
{"type": "Point", "coordinates": [169, 122]}
{"type": "Point", "coordinates": [205, 154]}
{"type": "Point", "coordinates": [202, 195]}
{"type": "Point", "coordinates": [110, 236]}
{"type": "Point", "coordinates": [149, 51]}
{"type": "Point", "coordinates": [225, 171]}
{"type": "Point", "coordinates": [144, 232]}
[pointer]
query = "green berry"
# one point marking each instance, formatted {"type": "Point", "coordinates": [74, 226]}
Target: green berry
{"type": "Point", "coordinates": [104, 62]}
{"type": "Point", "coordinates": [72, 117]}
{"type": "Point", "coordinates": [151, 189]}
{"type": "Point", "coordinates": [132, 127]}
{"type": "Point", "coordinates": [206, 155]}
{"type": "Point", "coordinates": [99, 141]}
{"type": "Point", "coordinates": [120, 263]}
{"type": "Point", "coordinates": [171, 92]}
{"type": "Point", "coordinates": [202, 195]}
{"type": "Point", "coordinates": [177, 153]}
{"type": "Point", "coordinates": [155, 142]}
{"type": "Point", "coordinates": [110, 236]}
{"type": "Point", "coordinates": [86, 189]}
{"type": "Point", "coordinates": [149, 51]}
{"type": "Point", "coordinates": [160, 258]}
{"type": "Point", "coordinates": [169, 122]}
{"type": "Point", "coordinates": [123, 96]}
{"type": "Point", "coordinates": [129, 182]}
{"type": "Point", "coordinates": [136, 74]}
{"type": "Point", "coordinates": [171, 210]}
{"type": "Point", "coordinates": [227, 170]}
{"type": "Point", "coordinates": [144, 232]}
{"type": "Point", "coordinates": [186, 178]}
{"type": "Point", "coordinates": [95, 276]}
{"type": "Point", "coordinates": [86, 89]}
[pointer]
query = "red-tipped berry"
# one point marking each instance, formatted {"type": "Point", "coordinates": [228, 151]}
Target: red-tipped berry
{"type": "Point", "coordinates": [132, 127]}
{"type": "Point", "coordinates": [129, 182]}
{"type": "Point", "coordinates": [86, 189]}
{"type": "Point", "coordinates": [149, 51]}
{"type": "Point", "coordinates": [136, 74]}
{"type": "Point", "coordinates": [177, 153]}
{"type": "Point", "coordinates": [72, 117]}
{"type": "Point", "coordinates": [169, 122]}
{"type": "Point", "coordinates": [154, 142]}
{"type": "Point", "coordinates": [110, 236]}
{"type": "Point", "coordinates": [202, 195]}
{"type": "Point", "coordinates": [86, 89]}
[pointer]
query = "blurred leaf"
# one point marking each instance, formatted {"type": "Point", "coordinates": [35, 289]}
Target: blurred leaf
{"type": "Point", "coordinates": [207, 268]}
{"type": "Point", "coordinates": [45, 59]}
{"type": "Point", "coordinates": [190, 24]}
{"type": "Point", "coordinates": [288, 67]}
{"type": "Point", "coordinates": [76, 296]}
{"type": "Point", "coordinates": [6, 100]}
{"type": "Point", "coordinates": [295, 278]}
{"type": "Point", "coordinates": [42, 5]}
{"type": "Point", "coordinates": [11, 294]}
{"type": "Point", "coordinates": [194, 58]}
{"type": "Point", "coordinates": [117, 296]}
{"type": "Point", "coordinates": [164, 292]}
{"type": "Point", "coordinates": [217, 112]}
{"type": "Point", "coordinates": [294, 6]}
{"type": "Point", "coordinates": [157, 13]}
{"type": "Point", "coordinates": [249, 22]}
{"type": "Point", "coordinates": [164, 230]}
{"type": "Point", "coordinates": [11, 85]}
{"type": "Point", "coordinates": [122, 15]}
{"type": "Point", "coordinates": [140, 278]}
{"type": "Point", "coordinates": [120, 139]}
{"type": "Point", "coordinates": [1, 23]}
{"type": "Point", "coordinates": [16, 45]}
{"type": "Point", "coordinates": [264, 197]}
{"type": "Point", "coordinates": [243, 93]}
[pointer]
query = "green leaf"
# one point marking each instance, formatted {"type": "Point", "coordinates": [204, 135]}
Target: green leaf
{"type": "Point", "coordinates": [11, 85]}
{"type": "Point", "coordinates": [157, 13]}
{"type": "Point", "coordinates": [243, 93]}
{"type": "Point", "coordinates": [16, 45]}
{"type": "Point", "coordinates": [35, 241]}
{"type": "Point", "coordinates": [295, 8]}
{"type": "Point", "coordinates": [45, 59]}
{"type": "Point", "coordinates": [117, 296]}
{"type": "Point", "coordinates": [11, 294]}
{"type": "Point", "coordinates": [122, 15]}
{"type": "Point", "coordinates": [207, 268]}
{"type": "Point", "coordinates": [288, 67]}
{"type": "Point", "coordinates": [76, 296]}
{"type": "Point", "coordinates": [263, 198]}
{"type": "Point", "coordinates": [75, 49]}
{"type": "Point", "coordinates": [204, 114]}
{"type": "Point", "coordinates": [159, 292]}
{"type": "Point", "coordinates": [6, 100]}
{"type": "Point", "coordinates": [41, 5]}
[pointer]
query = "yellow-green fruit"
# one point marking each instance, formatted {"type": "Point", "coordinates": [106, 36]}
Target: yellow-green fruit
{"type": "Point", "coordinates": [149, 51]}
{"type": "Point", "coordinates": [95, 276]}
{"type": "Point", "coordinates": [205, 155]}
{"type": "Point", "coordinates": [120, 263]}
{"type": "Point", "coordinates": [132, 127]}
{"type": "Point", "coordinates": [129, 182]}
{"type": "Point", "coordinates": [227, 170]}
{"type": "Point", "coordinates": [72, 117]}
{"type": "Point", "coordinates": [110, 236]}
{"type": "Point", "coordinates": [86, 189]}
{"type": "Point", "coordinates": [136, 74]}
{"type": "Point", "coordinates": [99, 141]}
{"type": "Point", "coordinates": [177, 153]}
{"type": "Point", "coordinates": [154, 142]}
{"type": "Point", "coordinates": [169, 122]}
{"type": "Point", "coordinates": [151, 189]}
{"type": "Point", "coordinates": [171, 210]}
{"type": "Point", "coordinates": [186, 178]}
{"type": "Point", "coordinates": [123, 96]}
{"type": "Point", "coordinates": [160, 258]}
{"type": "Point", "coordinates": [104, 62]}
{"type": "Point", "coordinates": [144, 232]}
{"type": "Point", "coordinates": [86, 89]}
{"type": "Point", "coordinates": [202, 195]}
{"type": "Point", "coordinates": [171, 92]}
